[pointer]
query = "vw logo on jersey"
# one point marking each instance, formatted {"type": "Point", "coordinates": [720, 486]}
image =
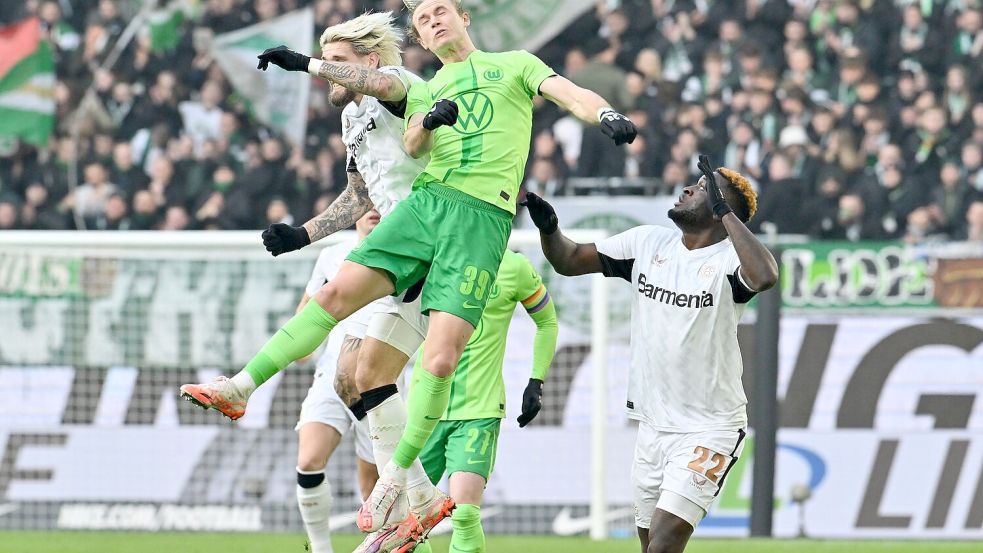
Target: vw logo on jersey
{"type": "Point", "coordinates": [475, 112]}
{"type": "Point", "coordinates": [493, 74]}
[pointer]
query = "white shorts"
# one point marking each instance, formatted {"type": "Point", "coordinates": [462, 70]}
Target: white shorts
{"type": "Point", "coordinates": [323, 405]}
{"type": "Point", "coordinates": [401, 325]}
{"type": "Point", "coordinates": [691, 467]}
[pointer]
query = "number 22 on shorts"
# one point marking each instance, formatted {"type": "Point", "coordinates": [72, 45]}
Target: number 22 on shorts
{"type": "Point", "coordinates": [719, 461]}
{"type": "Point", "coordinates": [475, 284]}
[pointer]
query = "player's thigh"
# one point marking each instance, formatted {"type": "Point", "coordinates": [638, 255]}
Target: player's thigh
{"type": "Point", "coordinates": [472, 448]}
{"type": "Point", "coordinates": [368, 475]}
{"type": "Point", "coordinates": [446, 338]}
{"type": "Point", "coordinates": [316, 442]}
{"type": "Point", "coordinates": [668, 533]}
{"type": "Point", "coordinates": [378, 364]}
{"type": "Point", "coordinates": [466, 260]}
{"type": "Point", "coordinates": [696, 469]}
{"type": "Point", "coordinates": [467, 488]}
{"type": "Point", "coordinates": [354, 287]}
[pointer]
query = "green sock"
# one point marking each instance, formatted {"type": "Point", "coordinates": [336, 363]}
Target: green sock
{"type": "Point", "coordinates": [468, 537]}
{"type": "Point", "coordinates": [298, 338]}
{"type": "Point", "coordinates": [423, 548]}
{"type": "Point", "coordinates": [426, 405]}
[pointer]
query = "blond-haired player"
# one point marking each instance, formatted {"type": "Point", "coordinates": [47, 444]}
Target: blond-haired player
{"type": "Point", "coordinates": [361, 58]}
{"type": "Point", "coordinates": [690, 287]}
{"type": "Point", "coordinates": [474, 120]}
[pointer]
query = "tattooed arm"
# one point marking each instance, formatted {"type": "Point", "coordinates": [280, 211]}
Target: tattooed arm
{"type": "Point", "coordinates": [354, 77]}
{"type": "Point", "coordinates": [360, 79]}
{"type": "Point", "coordinates": [343, 212]}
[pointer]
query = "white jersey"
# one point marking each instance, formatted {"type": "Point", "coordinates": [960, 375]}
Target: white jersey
{"type": "Point", "coordinates": [685, 371]}
{"type": "Point", "coordinates": [373, 134]}
{"type": "Point", "coordinates": [326, 268]}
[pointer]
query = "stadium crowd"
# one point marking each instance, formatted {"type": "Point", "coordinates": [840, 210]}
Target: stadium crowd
{"type": "Point", "coordinates": [856, 119]}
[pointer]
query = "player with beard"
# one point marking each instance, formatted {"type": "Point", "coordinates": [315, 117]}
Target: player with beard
{"type": "Point", "coordinates": [691, 286]}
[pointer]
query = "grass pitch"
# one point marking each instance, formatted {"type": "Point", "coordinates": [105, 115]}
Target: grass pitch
{"type": "Point", "coordinates": [123, 542]}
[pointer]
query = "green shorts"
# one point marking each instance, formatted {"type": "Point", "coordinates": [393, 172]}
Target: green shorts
{"type": "Point", "coordinates": [454, 240]}
{"type": "Point", "coordinates": [461, 446]}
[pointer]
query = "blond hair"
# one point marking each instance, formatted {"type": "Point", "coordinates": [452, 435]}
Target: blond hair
{"type": "Point", "coordinates": [367, 33]}
{"type": "Point", "coordinates": [745, 191]}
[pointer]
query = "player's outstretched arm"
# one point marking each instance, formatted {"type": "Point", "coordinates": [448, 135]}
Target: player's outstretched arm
{"type": "Point", "coordinates": [758, 267]}
{"type": "Point", "coordinates": [589, 107]}
{"type": "Point", "coordinates": [357, 78]}
{"type": "Point", "coordinates": [347, 208]}
{"type": "Point", "coordinates": [540, 307]}
{"type": "Point", "coordinates": [566, 256]}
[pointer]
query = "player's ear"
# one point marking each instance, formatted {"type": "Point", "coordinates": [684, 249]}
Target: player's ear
{"type": "Point", "coordinates": [466, 15]}
{"type": "Point", "coordinates": [374, 60]}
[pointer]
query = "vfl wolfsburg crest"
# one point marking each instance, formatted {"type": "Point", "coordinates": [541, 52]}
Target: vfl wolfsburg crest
{"type": "Point", "coordinates": [493, 74]}
{"type": "Point", "coordinates": [475, 112]}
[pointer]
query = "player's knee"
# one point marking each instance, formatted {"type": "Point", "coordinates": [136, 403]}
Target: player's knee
{"type": "Point", "coordinates": [367, 378]}
{"type": "Point", "coordinates": [333, 300]}
{"type": "Point", "coordinates": [660, 544]}
{"type": "Point", "coordinates": [441, 363]}
{"type": "Point", "coordinates": [311, 462]}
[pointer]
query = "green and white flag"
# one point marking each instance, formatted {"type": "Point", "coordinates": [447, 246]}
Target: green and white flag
{"type": "Point", "coordinates": [278, 98]}
{"type": "Point", "coordinates": [501, 25]}
{"type": "Point", "coordinates": [27, 83]}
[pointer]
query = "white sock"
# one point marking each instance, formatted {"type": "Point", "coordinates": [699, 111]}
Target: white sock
{"type": "Point", "coordinates": [244, 382]}
{"type": "Point", "coordinates": [315, 510]}
{"type": "Point", "coordinates": [386, 424]}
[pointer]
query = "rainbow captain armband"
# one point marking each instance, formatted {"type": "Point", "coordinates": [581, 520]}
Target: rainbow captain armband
{"type": "Point", "coordinates": [537, 300]}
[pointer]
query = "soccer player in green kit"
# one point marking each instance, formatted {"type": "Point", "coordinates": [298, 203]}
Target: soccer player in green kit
{"type": "Point", "coordinates": [466, 438]}
{"type": "Point", "coordinates": [474, 118]}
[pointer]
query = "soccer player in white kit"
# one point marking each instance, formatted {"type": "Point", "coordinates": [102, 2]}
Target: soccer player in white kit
{"type": "Point", "coordinates": [361, 58]}
{"type": "Point", "coordinates": [324, 417]}
{"type": "Point", "coordinates": [691, 285]}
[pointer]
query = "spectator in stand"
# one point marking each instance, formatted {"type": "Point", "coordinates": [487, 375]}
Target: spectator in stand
{"type": "Point", "coordinates": [971, 159]}
{"type": "Point", "coordinates": [114, 215]}
{"type": "Point", "coordinates": [128, 178]}
{"type": "Point", "coordinates": [89, 200]}
{"type": "Point", "coordinates": [973, 231]}
{"type": "Point", "coordinates": [8, 215]}
{"type": "Point", "coordinates": [175, 218]}
{"type": "Point", "coordinates": [781, 199]}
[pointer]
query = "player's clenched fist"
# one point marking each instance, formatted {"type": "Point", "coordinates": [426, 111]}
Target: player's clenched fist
{"type": "Point", "coordinates": [541, 212]}
{"type": "Point", "coordinates": [284, 57]}
{"type": "Point", "coordinates": [617, 126]}
{"type": "Point", "coordinates": [532, 401]}
{"type": "Point", "coordinates": [283, 238]}
{"type": "Point", "coordinates": [444, 112]}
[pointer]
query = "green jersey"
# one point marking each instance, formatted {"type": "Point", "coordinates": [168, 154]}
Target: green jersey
{"type": "Point", "coordinates": [484, 153]}
{"type": "Point", "coordinates": [478, 390]}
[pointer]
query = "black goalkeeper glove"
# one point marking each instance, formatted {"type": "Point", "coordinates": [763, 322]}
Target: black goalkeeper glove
{"type": "Point", "coordinates": [532, 401]}
{"type": "Point", "coordinates": [715, 199]}
{"type": "Point", "coordinates": [542, 213]}
{"type": "Point", "coordinates": [617, 127]}
{"type": "Point", "coordinates": [284, 57]}
{"type": "Point", "coordinates": [444, 112]}
{"type": "Point", "coordinates": [282, 238]}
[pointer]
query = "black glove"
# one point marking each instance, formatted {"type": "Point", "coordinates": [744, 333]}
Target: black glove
{"type": "Point", "coordinates": [542, 213]}
{"type": "Point", "coordinates": [618, 127]}
{"type": "Point", "coordinates": [283, 238]}
{"type": "Point", "coordinates": [715, 199]}
{"type": "Point", "coordinates": [284, 57]}
{"type": "Point", "coordinates": [444, 112]}
{"type": "Point", "coordinates": [532, 401]}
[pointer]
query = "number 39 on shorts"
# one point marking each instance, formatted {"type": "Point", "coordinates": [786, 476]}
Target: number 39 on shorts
{"type": "Point", "coordinates": [476, 282]}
